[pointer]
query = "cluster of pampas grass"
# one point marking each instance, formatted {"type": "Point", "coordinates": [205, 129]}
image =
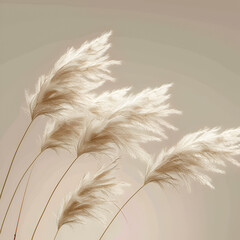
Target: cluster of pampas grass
{"type": "Point", "coordinates": [121, 126]}
{"type": "Point", "coordinates": [106, 124]}
{"type": "Point", "coordinates": [66, 91]}
{"type": "Point", "coordinates": [65, 88]}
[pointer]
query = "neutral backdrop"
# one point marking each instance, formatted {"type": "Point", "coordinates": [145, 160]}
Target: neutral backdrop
{"type": "Point", "coordinates": [193, 44]}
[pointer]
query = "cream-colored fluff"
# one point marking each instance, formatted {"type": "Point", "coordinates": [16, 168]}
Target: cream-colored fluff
{"type": "Point", "coordinates": [93, 195]}
{"type": "Point", "coordinates": [195, 155]}
{"type": "Point", "coordinates": [76, 73]}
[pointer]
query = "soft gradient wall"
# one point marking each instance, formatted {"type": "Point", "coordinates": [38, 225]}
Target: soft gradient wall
{"type": "Point", "coordinates": [194, 44]}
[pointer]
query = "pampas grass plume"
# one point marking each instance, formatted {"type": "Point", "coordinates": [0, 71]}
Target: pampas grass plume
{"type": "Point", "coordinates": [76, 73]}
{"type": "Point", "coordinates": [92, 196]}
{"type": "Point", "coordinates": [195, 155]}
{"type": "Point", "coordinates": [126, 124]}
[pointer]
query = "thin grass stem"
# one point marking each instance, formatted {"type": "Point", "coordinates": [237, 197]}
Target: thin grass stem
{"type": "Point", "coordinates": [120, 211]}
{"type": "Point", "coordinates": [56, 235]}
{"type": "Point", "coordinates": [10, 167]}
{"type": "Point", "coordinates": [49, 199]}
{"type": "Point", "coordinates": [20, 211]}
{"type": "Point", "coordinates": [10, 203]}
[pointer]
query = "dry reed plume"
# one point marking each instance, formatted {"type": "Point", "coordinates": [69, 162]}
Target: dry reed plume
{"type": "Point", "coordinates": [146, 110]}
{"type": "Point", "coordinates": [76, 73]}
{"type": "Point", "coordinates": [93, 195]}
{"type": "Point", "coordinates": [126, 123]}
{"type": "Point", "coordinates": [193, 156]}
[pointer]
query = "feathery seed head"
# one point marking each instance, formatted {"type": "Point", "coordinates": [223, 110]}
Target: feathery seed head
{"type": "Point", "coordinates": [196, 153]}
{"type": "Point", "coordinates": [76, 73]}
{"type": "Point", "coordinates": [92, 196]}
{"type": "Point", "coordinates": [63, 133]}
{"type": "Point", "coordinates": [126, 122]}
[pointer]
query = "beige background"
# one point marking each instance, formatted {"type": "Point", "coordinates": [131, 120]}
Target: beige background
{"type": "Point", "coordinates": [194, 44]}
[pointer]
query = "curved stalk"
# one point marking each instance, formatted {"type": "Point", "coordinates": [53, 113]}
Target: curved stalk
{"type": "Point", "coordinates": [10, 203]}
{"type": "Point", "coordinates": [120, 211]}
{"type": "Point", "coordinates": [56, 235]}
{"type": "Point", "coordinates": [39, 220]}
{"type": "Point", "coordinates": [20, 211]}
{"type": "Point", "coordinates": [10, 167]}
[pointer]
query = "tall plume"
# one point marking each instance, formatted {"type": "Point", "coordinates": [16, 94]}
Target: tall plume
{"type": "Point", "coordinates": [144, 110]}
{"type": "Point", "coordinates": [127, 122]}
{"type": "Point", "coordinates": [76, 73]}
{"type": "Point", "coordinates": [196, 153]}
{"type": "Point", "coordinates": [148, 110]}
{"type": "Point", "coordinates": [93, 195]}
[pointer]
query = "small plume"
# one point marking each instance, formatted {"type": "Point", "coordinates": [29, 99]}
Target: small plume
{"type": "Point", "coordinates": [76, 73]}
{"type": "Point", "coordinates": [63, 133]}
{"type": "Point", "coordinates": [196, 153]}
{"type": "Point", "coordinates": [92, 196]}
